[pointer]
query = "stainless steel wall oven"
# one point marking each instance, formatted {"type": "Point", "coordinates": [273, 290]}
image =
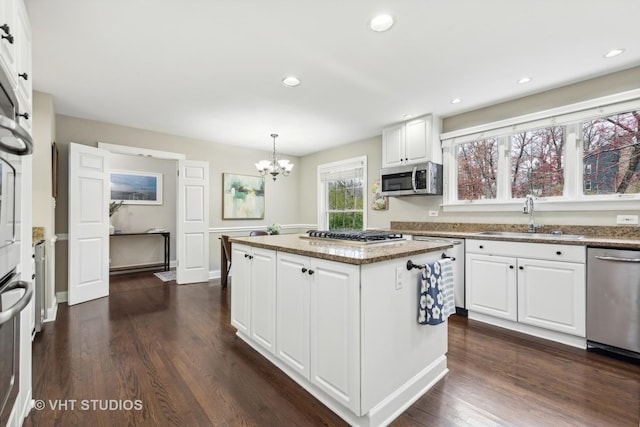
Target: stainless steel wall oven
{"type": "Point", "coordinates": [15, 294]}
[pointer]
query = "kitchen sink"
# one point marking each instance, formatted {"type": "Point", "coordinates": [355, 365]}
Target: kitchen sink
{"type": "Point", "coordinates": [549, 236]}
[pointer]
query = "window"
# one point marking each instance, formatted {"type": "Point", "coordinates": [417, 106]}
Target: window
{"type": "Point", "coordinates": [341, 195]}
{"type": "Point", "coordinates": [477, 169]}
{"type": "Point", "coordinates": [611, 154]}
{"type": "Point", "coordinates": [575, 157]}
{"type": "Point", "coordinates": [536, 162]}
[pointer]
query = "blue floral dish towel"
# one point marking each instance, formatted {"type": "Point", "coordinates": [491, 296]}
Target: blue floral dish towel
{"type": "Point", "coordinates": [436, 301]}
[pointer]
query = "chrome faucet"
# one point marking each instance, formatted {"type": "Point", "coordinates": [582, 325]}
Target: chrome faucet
{"type": "Point", "coordinates": [528, 209]}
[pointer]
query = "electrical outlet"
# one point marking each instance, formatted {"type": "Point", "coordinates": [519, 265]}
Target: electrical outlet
{"type": "Point", "coordinates": [433, 213]}
{"type": "Point", "coordinates": [627, 219]}
{"type": "Point", "coordinates": [399, 275]}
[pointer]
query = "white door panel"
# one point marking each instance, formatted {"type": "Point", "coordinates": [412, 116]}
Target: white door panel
{"type": "Point", "coordinates": [193, 222]}
{"type": "Point", "coordinates": [88, 223]}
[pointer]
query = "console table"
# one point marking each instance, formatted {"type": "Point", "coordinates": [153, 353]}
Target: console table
{"type": "Point", "coordinates": [167, 242]}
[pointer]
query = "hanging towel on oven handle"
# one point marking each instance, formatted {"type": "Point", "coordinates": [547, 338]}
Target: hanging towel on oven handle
{"type": "Point", "coordinates": [436, 299]}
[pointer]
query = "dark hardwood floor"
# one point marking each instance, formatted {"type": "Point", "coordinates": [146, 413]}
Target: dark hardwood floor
{"type": "Point", "coordinates": [162, 354]}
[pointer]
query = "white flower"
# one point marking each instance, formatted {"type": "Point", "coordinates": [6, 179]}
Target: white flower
{"type": "Point", "coordinates": [436, 268]}
{"type": "Point", "coordinates": [434, 281]}
{"type": "Point", "coordinates": [440, 298]}
{"type": "Point", "coordinates": [429, 301]}
{"type": "Point", "coordinates": [436, 313]}
{"type": "Point", "coordinates": [423, 301]}
{"type": "Point", "coordinates": [421, 316]}
{"type": "Point", "coordinates": [427, 271]}
{"type": "Point", "coordinates": [424, 285]}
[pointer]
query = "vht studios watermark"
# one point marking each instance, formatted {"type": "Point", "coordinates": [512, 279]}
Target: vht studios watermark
{"type": "Point", "coordinates": [88, 405]}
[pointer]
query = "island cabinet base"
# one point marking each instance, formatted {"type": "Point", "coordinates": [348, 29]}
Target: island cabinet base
{"type": "Point", "coordinates": [349, 334]}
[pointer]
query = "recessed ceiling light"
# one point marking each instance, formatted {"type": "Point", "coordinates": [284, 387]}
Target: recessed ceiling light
{"type": "Point", "coordinates": [524, 80]}
{"type": "Point", "coordinates": [291, 81]}
{"type": "Point", "coordinates": [381, 23]}
{"type": "Point", "coordinates": [614, 52]}
{"type": "Point", "coordinates": [456, 101]}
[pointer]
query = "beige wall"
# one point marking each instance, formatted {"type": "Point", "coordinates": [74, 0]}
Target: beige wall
{"type": "Point", "coordinates": [282, 199]}
{"type": "Point", "coordinates": [416, 208]}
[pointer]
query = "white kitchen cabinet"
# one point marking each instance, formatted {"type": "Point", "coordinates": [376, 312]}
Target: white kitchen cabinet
{"type": "Point", "coordinates": [23, 66]}
{"type": "Point", "coordinates": [335, 330]}
{"type": "Point", "coordinates": [8, 42]}
{"type": "Point", "coordinates": [407, 143]}
{"type": "Point", "coordinates": [492, 285]}
{"type": "Point", "coordinates": [292, 312]}
{"type": "Point", "coordinates": [253, 294]}
{"type": "Point", "coordinates": [536, 285]}
{"type": "Point", "coordinates": [317, 324]}
{"type": "Point", "coordinates": [552, 295]}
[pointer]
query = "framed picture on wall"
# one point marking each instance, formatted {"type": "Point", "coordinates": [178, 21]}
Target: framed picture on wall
{"type": "Point", "coordinates": [136, 188]}
{"type": "Point", "coordinates": [242, 196]}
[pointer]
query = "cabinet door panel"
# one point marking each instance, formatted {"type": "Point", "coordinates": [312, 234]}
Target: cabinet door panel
{"type": "Point", "coordinates": [241, 274]}
{"type": "Point", "coordinates": [393, 146]}
{"type": "Point", "coordinates": [292, 316]}
{"type": "Point", "coordinates": [551, 295]}
{"type": "Point", "coordinates": [335, 335]}
{"type": "Point", "coordinates": [416, 140]}
{"type": "Point", "coordinates": [263, 297]}
{"type": "Point", "coordinates": [492, 285]}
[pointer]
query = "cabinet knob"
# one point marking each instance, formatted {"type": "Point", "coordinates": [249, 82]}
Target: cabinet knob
{"type": "Point", "coordinates": [250, 256]}
{"type": "Point", "coordinates": [7, 33]}
{"type": "Point", "coordinates": [481, 247]}
{"type": "Point", "coordinates": [304, 270]}
{"type": "Point", "coordinates": [311, 272]}
{"type": "Point", "coordinates": [558, 253]}
{"type": "Point", "coordinates": [24, 76]}
{"type": "Point", "coordinates": [24, 115]}
{"type": "Point", "coordinates": [521, 268]}
{"type": "Point", "coordinates": [511, 267]}
{"type": "Point", "coordinates": [33, 276]}
{"type": "Point", "coordinates": [246, 255]}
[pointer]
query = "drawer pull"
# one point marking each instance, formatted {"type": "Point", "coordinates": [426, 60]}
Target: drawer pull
{"type": "Point", "coordinates": [304, 270]}
{"type": "Point", "coordinates": [511, 267]}
{"type": "Point", "coordinates": [521, 268]}
{"type": "Point", "coordinates": [558, 253]}
{"type": "Point", "coordinates": [481, 247]}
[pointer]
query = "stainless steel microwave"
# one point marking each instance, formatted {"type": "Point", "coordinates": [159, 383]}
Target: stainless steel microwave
{"type": "Point", "coordinates": [421, 178]}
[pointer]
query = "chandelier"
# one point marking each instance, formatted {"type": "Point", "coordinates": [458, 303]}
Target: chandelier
{"type": "Point", "coordinates": [274, 167]}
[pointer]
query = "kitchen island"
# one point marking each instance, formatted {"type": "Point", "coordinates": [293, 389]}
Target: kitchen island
{"type": "Point", "coordinates": [340, 319]}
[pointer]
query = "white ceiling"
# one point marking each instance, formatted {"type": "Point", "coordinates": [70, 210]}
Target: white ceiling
{"type": "Point", "coordinates": [212, 69]}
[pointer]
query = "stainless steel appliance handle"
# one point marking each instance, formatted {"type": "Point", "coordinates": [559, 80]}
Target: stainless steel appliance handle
{"type": "Point", "coordinates": [613, 258]}
{"type": "Point", "coordinates": [19, 133]}
{"type": "Point", "coordinates": [16, 308]}
{"type": "Point", "coordinates": [413, 179]}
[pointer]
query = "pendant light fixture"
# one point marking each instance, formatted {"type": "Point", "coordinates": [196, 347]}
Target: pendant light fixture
{"type": "Point", "coordinates": [274, 167]}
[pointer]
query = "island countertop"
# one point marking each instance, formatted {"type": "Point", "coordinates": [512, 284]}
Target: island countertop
{"type": "Point", "coordinates": [335, 250]}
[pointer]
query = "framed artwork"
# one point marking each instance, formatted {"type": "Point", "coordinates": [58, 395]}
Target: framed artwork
{"type": "Point", "coordinates": [378, 202]}
{"type": "Point", "coordinates": [242, 196]}
{"type": "Point", "coordinates": [136, 188]}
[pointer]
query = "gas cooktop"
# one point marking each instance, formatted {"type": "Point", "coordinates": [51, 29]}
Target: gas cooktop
{"type": "Point", "coordinates": [357, 237]}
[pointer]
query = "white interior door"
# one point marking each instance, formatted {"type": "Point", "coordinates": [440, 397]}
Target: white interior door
{"type": "Point", "coordinates": [192, 242]}
{"type": "Point", "coordinates": [88, 223]}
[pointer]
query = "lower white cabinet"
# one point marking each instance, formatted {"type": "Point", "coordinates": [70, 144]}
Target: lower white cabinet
{"type": "Point", "coordinates": [317, 324]}
{"type": "Point", "coordinates": [541, 285]}
{"type": "Point", "coordinates": [253, 294]}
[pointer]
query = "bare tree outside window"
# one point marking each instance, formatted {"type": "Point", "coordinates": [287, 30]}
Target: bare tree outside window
{"type": "Point", "coordinates": [537, 162]}
{"type": "Point", "coordinates": [477, 169]}
{"type": "Point", "coordinates": [612, 154]}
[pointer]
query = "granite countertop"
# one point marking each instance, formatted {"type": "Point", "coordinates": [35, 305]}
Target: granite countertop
{"type": "Point", "coordinates": [339, 251]}
{"type": "Point", "coordinates": [620, 237]}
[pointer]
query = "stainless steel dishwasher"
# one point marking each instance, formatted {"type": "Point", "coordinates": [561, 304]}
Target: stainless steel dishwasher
{"type": "Point", "coordinates": [613, 300]}
{"type": "Point", "coordinates": [457, 256]}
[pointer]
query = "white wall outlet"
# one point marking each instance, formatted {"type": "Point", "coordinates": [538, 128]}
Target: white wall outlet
{"type": "Point", "coordinates": [627, 219]}
{"type": "Point", "coordinates": [399, 277]}
{"type": "Point", "coordinates": [433, 213]}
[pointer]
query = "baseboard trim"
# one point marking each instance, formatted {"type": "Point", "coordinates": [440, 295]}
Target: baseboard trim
{"type": "Point", "coordinates": [62, 296]}
{"type": "Point", "coordinates": [51, 312]}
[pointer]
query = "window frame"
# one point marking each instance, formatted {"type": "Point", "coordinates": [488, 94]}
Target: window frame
{"type": "Point", "coordinates": [571, 118]}
{"type": "Point", "coordinates": [341, 165]}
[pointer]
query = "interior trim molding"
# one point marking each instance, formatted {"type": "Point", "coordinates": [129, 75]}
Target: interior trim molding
{"type": "Point", "coordinates": [135, 151]}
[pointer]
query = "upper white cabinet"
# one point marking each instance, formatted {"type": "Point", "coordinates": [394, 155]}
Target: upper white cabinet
{"type": "Point", "coordinates": [10, 38]}
{"type": "Point", "coordinates": [414, 141]}
{"type": "Point", "coordinates": [541, 285]}
{"type": "Point", "coordinates": [23, 58]}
